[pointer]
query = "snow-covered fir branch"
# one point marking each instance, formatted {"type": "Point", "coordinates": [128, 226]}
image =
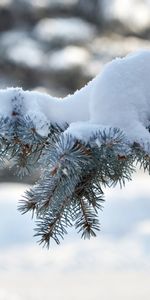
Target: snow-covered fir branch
{"type": "Point", "coordinates": [81, 143]}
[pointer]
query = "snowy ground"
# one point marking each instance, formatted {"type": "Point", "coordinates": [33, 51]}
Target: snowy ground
{"type": "Point", "coordinates": [115, 265]}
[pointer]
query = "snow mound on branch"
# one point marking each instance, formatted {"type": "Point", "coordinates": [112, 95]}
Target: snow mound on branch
{"type": "Point", "coordinates": [118, 97]}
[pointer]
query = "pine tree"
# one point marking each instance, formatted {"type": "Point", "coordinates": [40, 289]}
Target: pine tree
{"type": "Point", "coordinates": [73, 172]}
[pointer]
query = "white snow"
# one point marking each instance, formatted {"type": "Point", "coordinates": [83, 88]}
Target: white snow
{"type": "Point", "coordinates": [68, 58]}
{"type": "Point", "coordinates": [118, 97]}
{"type": "Point", "coordinates": [26, 52]}
{"type": "Point", "coordinates": [64, 30]}
{"type": "Point", "coordinates": [84, 130]}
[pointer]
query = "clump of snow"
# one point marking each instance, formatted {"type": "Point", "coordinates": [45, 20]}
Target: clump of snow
{"type": "Point", "coordinates": [118, 97]}
{"type": "Point", "coordinates": [20, 49]}
{"type": "Point", "coordinates": [26, 52]}
{"type": "Point", "coordinates": [85, 130]}
{"type": "Point", "coordinates": [67, 58]}
{"type": "Point", "coordinates": [121, 96]}
{"type": "Point", "coordinates": [64, 30]}
{"type": "Point", "coordinates": [6, 97]}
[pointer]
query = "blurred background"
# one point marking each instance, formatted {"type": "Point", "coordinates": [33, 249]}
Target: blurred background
{"type": "Point", "coordinates": [56, 46]}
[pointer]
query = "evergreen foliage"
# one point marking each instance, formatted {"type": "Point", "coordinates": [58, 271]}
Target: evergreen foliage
{"type": "Point", "coordinates": [73, 173]}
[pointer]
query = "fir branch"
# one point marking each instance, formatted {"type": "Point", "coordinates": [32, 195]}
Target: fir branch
{"type": "Point", "coordinates": [70, 190]}
{"type": "Point", "coordinates": [53, 224]}
{"type": "Point", "coordinates": [141, 157]}
{"type": "Point", "coordinates": [87, 221]}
